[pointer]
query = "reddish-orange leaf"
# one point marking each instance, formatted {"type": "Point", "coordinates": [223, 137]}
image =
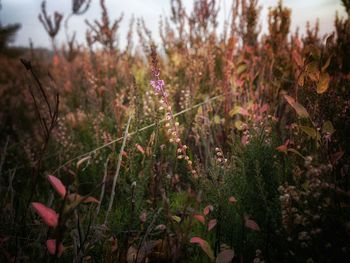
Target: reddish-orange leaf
{"type": "Point", "coordinates": [212, 223]}
{"type": "Point", "coordinates": [48, 215]}
{"type": "Point", "coordinates": [51, 247]}
{"type": "Point", "coordinates": [282, 148]}
{"type": "Point", "coordinates": [232, 199]}
{"type": "Point", "coordinates": [264, 108]}
{"type": "Point", "coordinates": [55, 60]}
{"type": "Point", "coordinates": [249, 223]}
{"type": "Point", "coordinates": [200, 218]}
{"type": "Point", "coordinates": [204, 245]}
{"type": "Point", "coordinates": [208, 209]}
{"type": "Point", "coordinates": [57, 185]}
{"type": "Point", "coordinates": [140, 148]}
{"type": "Point", "coordinates": [243, 111]}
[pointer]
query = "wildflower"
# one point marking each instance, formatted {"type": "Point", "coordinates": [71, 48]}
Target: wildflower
{"type": "Point", "coordinates": [171, 124]}
{"type": "Point", "coordinates": [157, 85]}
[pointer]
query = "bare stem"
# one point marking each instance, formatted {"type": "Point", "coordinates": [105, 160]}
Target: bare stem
{"type": "Point", "coordinates": [116, 175]}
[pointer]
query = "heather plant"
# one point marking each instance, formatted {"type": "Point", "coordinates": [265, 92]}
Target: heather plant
{"type": "Point", "coordinates": [214, 145]}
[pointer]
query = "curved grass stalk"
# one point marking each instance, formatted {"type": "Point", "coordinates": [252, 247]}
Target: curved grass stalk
{"type": "Point", "coordinates": [135, 132]}
{"type": "Point", "coordinates": [116, 175]}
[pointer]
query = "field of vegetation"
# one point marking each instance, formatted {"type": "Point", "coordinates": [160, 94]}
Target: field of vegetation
{"type": "Point", "coordinates": [210, 145]}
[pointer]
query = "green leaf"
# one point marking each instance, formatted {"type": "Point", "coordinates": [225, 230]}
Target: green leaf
{"type": "Point", "coordinates": [327, 127]}
{"type": "Point", "coordinates": [217, 119]}
{"type": "Point", "coordinates": [300, 110]}
{"type": "Point", "coordinates": [296, 152]}
{"type": "Point", "coordinates": [241, 68]}
{"type": "Point", "coordinates": [176, 219]}
{"type": "Point", "coordinates": [239, 125]}
{"type": "Point", "coordinates": [311, 132]}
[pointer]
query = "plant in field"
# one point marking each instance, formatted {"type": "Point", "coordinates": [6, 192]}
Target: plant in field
{"type": "Point", "coordinates": [58, 221]}
{"type": "Point", "coordinates": [235, 151]}
{"type": "Point", "coordinates": [171, 124]}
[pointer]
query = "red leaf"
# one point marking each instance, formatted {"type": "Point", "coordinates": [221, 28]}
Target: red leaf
{"type": "Point", "coordinates": [200, 218]}
{"type": "Point", "coordinates": [212, 223]}
{"type": "Point", "coordinates": [204, 245]}
{"type": "Point", "coordinates": [225, 256]}
{"type": "Point", "coordinates": [51, 247]}
{"type": "Point", "coordinates": [208, 209]}
{"type": "Point", "coordinates": [264, 108]}
{"type": "Point", "coordinates": [232, 199]}
{"type": "Point", "coordinates": [243, 111]}
{"type": "Point", "coordinates": [249, 223]}
{"type": "Point", "coordinates": [57, 185]}
{"type": "Point", "coordinates": [282, 148]}
{"type": "Point", "coordinates": [48, 215]}
{"type": "Point", "coordinates": [140, 148]}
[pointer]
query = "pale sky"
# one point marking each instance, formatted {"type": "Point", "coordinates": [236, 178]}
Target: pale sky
{"type": "Point", "coordinates": [26, 12]}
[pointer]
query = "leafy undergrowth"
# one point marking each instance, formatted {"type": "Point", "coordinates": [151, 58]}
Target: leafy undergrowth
{"type": "Point", "coordinates": [211, 147]}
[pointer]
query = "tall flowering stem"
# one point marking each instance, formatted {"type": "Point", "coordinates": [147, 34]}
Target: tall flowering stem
{"type": "Point", "coordinates": [171, 124]}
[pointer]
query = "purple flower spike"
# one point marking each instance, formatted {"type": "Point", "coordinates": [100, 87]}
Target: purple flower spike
{"type": "Point", "coordinates": [157, 85]}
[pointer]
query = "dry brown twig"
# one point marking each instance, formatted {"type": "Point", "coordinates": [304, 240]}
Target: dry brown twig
{"type": "Point", "coordinates": [51, 26]}
{"type": "Point", "coordinates": [102, 31]}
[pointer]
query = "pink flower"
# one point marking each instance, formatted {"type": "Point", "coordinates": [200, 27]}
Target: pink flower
{"type": "Point", "coordinates": [157, 85]}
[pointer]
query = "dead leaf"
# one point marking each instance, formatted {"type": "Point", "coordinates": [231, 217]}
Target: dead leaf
{"type": "Point", "coordinates": [323, 83]}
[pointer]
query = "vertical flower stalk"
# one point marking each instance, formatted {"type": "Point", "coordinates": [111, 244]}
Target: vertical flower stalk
{"type": "Point", "coordinates": [171, 124]}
